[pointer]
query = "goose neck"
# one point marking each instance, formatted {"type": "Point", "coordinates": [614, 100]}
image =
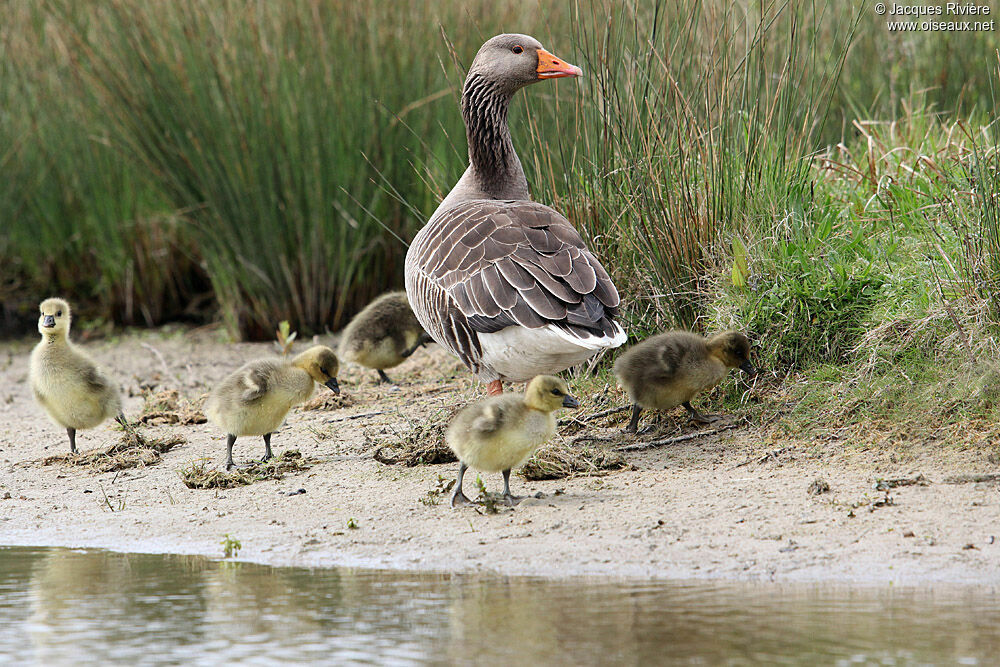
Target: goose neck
{"type": "Point", "coordinates": [494, 164]}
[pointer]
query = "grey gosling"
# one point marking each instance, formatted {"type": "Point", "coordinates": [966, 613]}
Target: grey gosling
{"type": "Point", "coordinates": [501, 432]}
{"type": "Point", "coordinates": [383, 335]}
{"type": "Point", "coordinates": [256, 398]}
{"type": "Point", "coordinates": [670, 369]}
{"type": "Point", "coordinates": [65, 381]}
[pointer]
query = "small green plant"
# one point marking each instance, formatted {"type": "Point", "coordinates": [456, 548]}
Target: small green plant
{"type": "Point", "coordinates": [489, 501]}
{"type": "Point", "coordinates": [285, 337]}
{"type": "Point", "coordinates": [230, 546]}
{"type": "Point", "coordinates": [352, 524]}
{"type": "Point", "coordinates": [442, 488]}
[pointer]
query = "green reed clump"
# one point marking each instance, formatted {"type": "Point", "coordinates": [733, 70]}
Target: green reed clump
{"type": "Point", "coordinates": [692, 128]}
{"type": "Point", "coordinates": [80, 220]}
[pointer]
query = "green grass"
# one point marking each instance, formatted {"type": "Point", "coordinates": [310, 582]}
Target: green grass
{"type": "Point", "coordinates": [776, 167]}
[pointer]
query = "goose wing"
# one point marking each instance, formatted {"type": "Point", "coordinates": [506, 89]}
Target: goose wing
{"type": "Point", "coordinates": [95, 379]}
{"type": "Point", "coordinates": [255, 381]}
{"type": "Point", "coordinates": [510, 263]}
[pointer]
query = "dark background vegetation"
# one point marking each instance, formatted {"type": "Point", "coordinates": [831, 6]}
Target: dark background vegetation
{"type": "Point", "coordinates": [789, 169]}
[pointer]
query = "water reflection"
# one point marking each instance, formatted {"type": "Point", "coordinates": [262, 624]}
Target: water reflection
{"type": "Point", "coordinates": [61, 606]}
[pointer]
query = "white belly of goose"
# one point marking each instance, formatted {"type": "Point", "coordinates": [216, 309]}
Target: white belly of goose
{"type": "Point", "coordinates": [518, 354]}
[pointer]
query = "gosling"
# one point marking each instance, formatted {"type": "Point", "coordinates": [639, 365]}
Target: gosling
{"type": "Point", "coordinates": [65, 381]}
{"type": "Point", "coordinates": [383, 335]}
{"type": "Point", "coordinates": [256, 398]}
{"type": "Point", "coordinates": [670, 369]}
{"type": "Point", "coordinates": [501, 432]}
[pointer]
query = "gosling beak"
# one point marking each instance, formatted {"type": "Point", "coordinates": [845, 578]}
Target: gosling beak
{"type": "Point", "coordinates": [570, 402]}
{"type": "Point", "coordinates": [332, 385]}
{"type": "Point", "coordinates": [48, 321]}
{"type": "Point", "coordinates": [550, 67]}
{"type": "Point", "coordinates": [748, 368]}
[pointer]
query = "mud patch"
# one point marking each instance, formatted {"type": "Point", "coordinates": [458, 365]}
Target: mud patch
{"type": "Point", "coordinates": [327, 400]}
{"type": "Point", "coordinates": [199, 476]}
{"type": "Point", "coordinates": [133, 450]}
{"type": "Point", "coordinates": [169, 407]}
{"type": "Point", "coordinates": [559, 461]}
{"type": "Point", "coordinates": [422, 444]}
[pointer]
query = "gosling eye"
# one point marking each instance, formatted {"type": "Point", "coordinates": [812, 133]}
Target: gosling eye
{"type": "Point", "coordinates": [517, 49]}
{"type": "Point", "coordinates": [556, 392]}
{"type": "Point", "coordinates": [58, 313]}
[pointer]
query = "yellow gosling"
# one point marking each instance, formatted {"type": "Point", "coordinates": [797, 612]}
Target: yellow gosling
{"type": "Point", "coordinates": [671, 368]}
{"type": "Point", "coordinates": [65, 381]}
{"type": "Point", "coordinates": [256, 398]}
{"type": "Point", "coordinates": [501, 432]}
{"type": "Point", "coordinates": [383, 335]}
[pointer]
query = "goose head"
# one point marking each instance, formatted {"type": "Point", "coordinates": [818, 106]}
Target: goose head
{"type": "Point", "coordinates": [321, 364]}
{"type": "Point", "coordinates": [548, 393]}
{"type": "Point", "coordinates": [513, 61]}
{"type": "Point", "coordinates": [733, 349]}
{"type": "Point", "coordinates": [54, 318]}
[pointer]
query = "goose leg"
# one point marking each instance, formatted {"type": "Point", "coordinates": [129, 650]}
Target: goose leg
{"type": "Point", "coordinates": [697, 416]}
{"type": "Point", "coordinates": [494, 388]}
{"type": "Point", "coordinates": [633, 424]}
{"type": "Point", "coordinates": [267, 448]}
{"type": "Point", "coordinates": [508, 497]}
{"type": "Point", "coordinates": [230, 439]}
{"type": "Point", "coordinates": [71, 432]}
{"type": "Point", "coordinates": [458, 498]}
{"type": "Point", "coordinates": [383, 377]}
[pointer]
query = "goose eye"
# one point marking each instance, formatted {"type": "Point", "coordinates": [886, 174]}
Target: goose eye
{"type": "Point", "coordinates": [556, 392]}
{"type": "Point", "coordinates": [517, 49]}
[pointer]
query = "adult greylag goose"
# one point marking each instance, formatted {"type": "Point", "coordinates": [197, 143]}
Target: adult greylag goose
{"type": "Point", "coordinates": [505, 283]}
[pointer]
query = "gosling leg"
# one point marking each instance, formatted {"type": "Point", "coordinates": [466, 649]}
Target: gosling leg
{"type": "Point", "coordinates": [121, 420]}
{"type": "Point", "coordinates": [494, 388]}
{"type": "Point", "coordinates": [697, 416]}
{"type": "Point", "coordinates": [459, 498]}
{"type": "Point", "coordinates": [267, 448]}
{"type": "Point", "coordinates": [383, 377]}
{"type": "Point", "coordinates": [633, 425]}
{"type": "Point", "coordinates": [230, 439]}
{"type": "Point", "coordinates": [508, 497]}
{"type": "Point", "coordinates": [71, 432]}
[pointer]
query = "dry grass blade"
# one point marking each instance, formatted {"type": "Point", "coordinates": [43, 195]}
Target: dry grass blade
{"type": "Point", "coordinates": [557, 461]}
{"type": "Point", "coordinates": [199, 476]}
{"type": "Point", "coordinates": [169, 407]}
{"type": "Point", "coordinates": [133, 450]}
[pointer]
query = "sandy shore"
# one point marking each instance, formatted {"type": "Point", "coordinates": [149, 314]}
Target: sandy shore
{"type": "Point", "coordinates": [729, 506]}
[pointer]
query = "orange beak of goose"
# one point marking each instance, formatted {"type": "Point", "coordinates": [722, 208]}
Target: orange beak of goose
{"type": "Point", "coordinates": [550, 67]}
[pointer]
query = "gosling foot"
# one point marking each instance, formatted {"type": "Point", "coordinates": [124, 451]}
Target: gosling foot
{"type": "Point", "coordinates": [633, 424]}
{"type": "Point", "coordinates": [699, 418]}
{"type": "Point", "coordinates": [459, 499]}
{"type": "Point", "coordinates": [512, 500]}
{"type": "Point", "coordinates": [383, 378]}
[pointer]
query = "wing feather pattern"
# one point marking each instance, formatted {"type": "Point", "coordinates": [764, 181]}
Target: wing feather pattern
{"type": "Point", "coordinates": [484, 265]}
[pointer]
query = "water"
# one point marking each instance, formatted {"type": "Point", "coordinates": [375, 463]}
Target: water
{"type": "Point", "coordinates": [60, 606]}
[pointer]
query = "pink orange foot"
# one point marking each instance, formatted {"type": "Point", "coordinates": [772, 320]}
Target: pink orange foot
{"type": "Point", "coordinates": [494, 388]}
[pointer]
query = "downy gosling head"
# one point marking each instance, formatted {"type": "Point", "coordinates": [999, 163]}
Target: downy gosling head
{"type": "Point", "coordinates": [501, 432]}
{"type": "Point", "coordinates": [54, 317]}
{"type": "Point", "coordinates": [322, 365]}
